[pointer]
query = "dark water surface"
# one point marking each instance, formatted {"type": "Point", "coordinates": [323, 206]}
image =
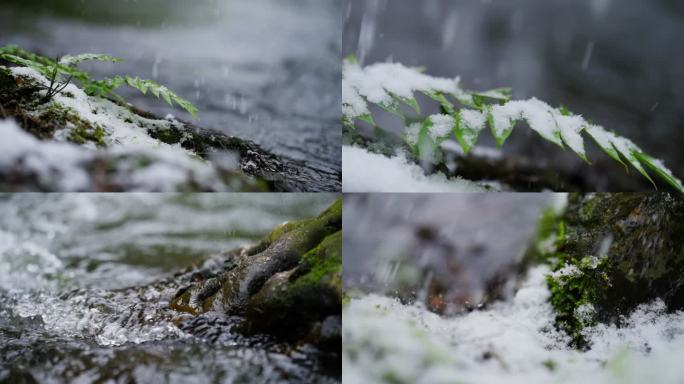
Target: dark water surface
{"type": "Point", "coordinates": [76, 304]}
{"type": "Point", "coordinates": [264, 70]}
{"type": "Point", "coordinates": [617, 63]}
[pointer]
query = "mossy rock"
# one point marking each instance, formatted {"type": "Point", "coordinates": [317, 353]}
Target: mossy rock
{"type": "Point", "coordinates": [612, 252]}
{"type": "Point", "coordinates": [290, 302]}
{"type": "Point", "coordinates": [287, 285]}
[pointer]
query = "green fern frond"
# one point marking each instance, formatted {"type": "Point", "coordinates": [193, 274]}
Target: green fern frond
{"type": "Point", "coordinates": [70, 60]}
{"type": "Point", "coordinates": [161, 91]}
{"type": "Point", "coordinates": [389, 85]}
{"type": "Point", "coordinates": [66, 67]}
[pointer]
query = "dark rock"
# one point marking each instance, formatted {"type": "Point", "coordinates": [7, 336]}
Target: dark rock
{"type": "Point", "coordinates": [617, 251]}
{"type": "Point", "coordinates": [287, 285]}
{"type": "Point", "coordinates": [642, 237]}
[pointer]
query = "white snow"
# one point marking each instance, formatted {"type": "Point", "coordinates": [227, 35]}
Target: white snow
{"type": "Point", "coordinates": [473, 121]}
{"type": "Point", "coordinates": [585, 313]}
{"type": "Point", "coordinates": [511, 342]}
{"type": "Point", "coordinates": [62, 164]}
{"type": "Point", "coordinates": [539, 115]}
{"type": "Point", "coordinates": [442, 126]}
{"type": "Point", "coordinates": [353, 104]}
{"type": "Point", "coordinates": [412, 132]}
{"type": "Point", "coordinates": [369, 172]}
{"type": "Point", "coordinates": [52, 162]}
{"type": "Point", "coordinates": [122, 126]}
{"type": "Point", "coordinates": [570, 129]}
{"type": "Point", "coordinates": [568, 270]}
{"type": "Point", "coordinates": [504, 116]}
{"type": "Point", "coordinates": [377, 82]}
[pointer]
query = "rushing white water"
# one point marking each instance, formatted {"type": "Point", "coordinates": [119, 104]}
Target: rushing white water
{"type": "Point", "coordinates": [511, 342]}
{"type": "Point", "coordinates": [79, 286]}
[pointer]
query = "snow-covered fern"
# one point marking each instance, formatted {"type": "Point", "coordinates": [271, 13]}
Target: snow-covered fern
{"type": "Point", "coordinates": [389, 85]}
{"type": "Point", "coordinates": [60, 72]}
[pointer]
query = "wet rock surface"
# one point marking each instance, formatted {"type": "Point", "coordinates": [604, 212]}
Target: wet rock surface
{"type": "Point", "coordinates": [281, 173]}
{"type": "Point", "coordinates": [640, 235]}
{"type": "Point", "coordinates": [288, 285]}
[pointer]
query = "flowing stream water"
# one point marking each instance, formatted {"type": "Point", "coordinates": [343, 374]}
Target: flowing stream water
{"type": "Point", "coordinates": [263, 70]}
{"type": "Point", "coordinates": [78, 301]}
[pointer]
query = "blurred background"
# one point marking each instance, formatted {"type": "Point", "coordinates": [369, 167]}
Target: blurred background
{"type": "Point", "coordinates": [264, 70]}
{"type": "Point", "coordinates": [113, 241]}
{"type": "Point", "coordinates": [617, 63]}
{"type": "Point", "coordinates": [419, 247]}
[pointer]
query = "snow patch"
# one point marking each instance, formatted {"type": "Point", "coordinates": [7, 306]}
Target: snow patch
{"type": "Point", "coordinates": [369, 172]}
{"type": "Point", "coordinates": [53, 163]}
{"type": "Point", "coordinates": [63, 165]}
{"type": "Point", "coordinates": [511, 342]}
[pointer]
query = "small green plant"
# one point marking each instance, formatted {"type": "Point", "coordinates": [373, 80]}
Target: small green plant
{"type": "Point", "coordinates": [62, 71]}
{"type": "Point", "coordinates": [392, 85]}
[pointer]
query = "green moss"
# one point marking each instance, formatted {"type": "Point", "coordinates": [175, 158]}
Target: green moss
{"type": "Point", "coordinates": [570, 292]}
{"type": "Point", "coordinates": [324, 264]}
{"type": "Point", "coordinates": [346, 299]}
{"type": "Point", "coordinates": [549, 234]}
{"type": "Point", "coordinates": [284, 228]}
{"type": "Point", "coordinates": [335, 209]}
{"type": "Point", "coordinates": [550, 365]}
{"type": "Point", "coordinates": [294, 299]}
{"type": "Point", "coordinates": [85, 133]}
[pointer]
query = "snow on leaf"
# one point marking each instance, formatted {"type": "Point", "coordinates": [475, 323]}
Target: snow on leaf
{"type": "Point", "coordinates": [388, 85]}
{"type": "Point", "coordinates": [657, 166]}
{"type": "Point", "coordinates": [604, 140]}
{"type": "Point", "coordinates": [382, 83]}
{"type": "Point", "coordinates": [412, 133]}
{"type": "Point", "coordinates": [540, 117]}
{"type": "Point", "coordinates": [441, 127]}
{"type": "Point", "coordinates": [628, 149]}
{"type": "Point", "coordinates": [353, 105]}
{"type": "Point", "coordinates": [394, 107]}
{"type": "Point", "coordinates": [501, 119]}
{"type": "Point", "coordinates": [570, 129]}
{"type": "Point", "coordinates": [103, 88]}
{"type": "Point", "coordinates": [469, 124]}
